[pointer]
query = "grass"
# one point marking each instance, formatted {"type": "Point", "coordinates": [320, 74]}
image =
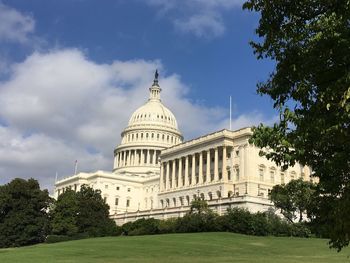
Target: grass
{"type": "Point", "coordinates": [200, 247]}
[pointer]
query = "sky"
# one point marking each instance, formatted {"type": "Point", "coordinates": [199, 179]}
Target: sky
{"type": "Point", "coordinates": [73, 71]}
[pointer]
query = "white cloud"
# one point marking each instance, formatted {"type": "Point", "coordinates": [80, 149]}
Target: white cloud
{"type": "Point", "coordinates": [59, 106]}
{"type": "Point", "coordinates": [15, 26]}
{"type": "Point", "coordinates": [203, 18]}
{"type": "Point", "coordinates": [202, 25]}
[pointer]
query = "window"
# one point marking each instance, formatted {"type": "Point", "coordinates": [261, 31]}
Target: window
{"type": "Point", "coordinates": [117, 188]}
{"type": "Point", "coordinates": [237, 174]}
{"type": "Point", "coordinates": [237, 153]}
{"type": "Point", "coordinates": [127, 202]}
{"type": "Point", "coordinates": [106, 186]}
{"type": "Point", "coordinates": [105, 199]}
{"type": "Point", "coordinates": [282, 178]}
{"type": "Point", "coordinates": [261, 174]}
{"type": "Point", "coordinates": [129, 189]}
{"type": "Point", "coordinates": [116, 201]}
{"type": "Point", "coordinates": [272, 176]}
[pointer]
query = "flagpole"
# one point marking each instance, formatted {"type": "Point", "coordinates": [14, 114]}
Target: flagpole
{"type": "Point", "coordinates": [56, 177]}
{"type": "Point", "coordinates": [230, 113]}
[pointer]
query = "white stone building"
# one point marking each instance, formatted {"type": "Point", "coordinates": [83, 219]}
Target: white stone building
{"type": "Point", "coordinates": [157, 175]}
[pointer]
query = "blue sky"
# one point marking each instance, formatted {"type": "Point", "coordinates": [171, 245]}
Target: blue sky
{"type": "Point", "coordinates": [72, 72]}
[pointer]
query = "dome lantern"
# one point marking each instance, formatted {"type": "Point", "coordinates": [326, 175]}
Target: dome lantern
{"type": "Point", "coordinates": [155, 89]}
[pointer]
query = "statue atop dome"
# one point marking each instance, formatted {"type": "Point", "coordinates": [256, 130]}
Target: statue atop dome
{"type": "Point", "coordinates": [155, 89]}
{"type": "Point", "coordinates": [155, 81]}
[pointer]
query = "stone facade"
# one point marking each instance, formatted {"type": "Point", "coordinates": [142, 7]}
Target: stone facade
{"type": "Point", "coordinates": [156, 174]}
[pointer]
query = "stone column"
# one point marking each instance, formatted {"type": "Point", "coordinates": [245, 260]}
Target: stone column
{"type": "Point", "coordinates": [241, 161]}
{"type": "Point", "coordinates": [154, 158]}
{"type": "Point", "coordinates": [128, 159]}
{"type": "Point", "coordinates": [161, 178]}
{"type": "Point", "coordinates": [193, 176]}
{"type": "Point", "coordinates": [118, 158]}
{"type": "Point", "coordinates": [131, 158]}
{"type": "Point", "coordinates": [116, 161]}
{"type": "Point", "coordinates": [216, 165]}
{"type": "Point", "coordinates": [142, 162]}
{"type": "Point", "coordinates": [208, 166]}
{"type": "Point", "coordinates": [167, 181]}
{"type": "Point", "coordinates": [173, 172]}
{"type": "Point", "coordinates": [148, 157]}
{"type": "Point", "coordinates": [224, 170]}
{"type": "Point", "coordinates": [200, 168]}
{"type": "Point", "coordinates": [179, 173]}
{"type": "Point", "coordinates": [186, 171]}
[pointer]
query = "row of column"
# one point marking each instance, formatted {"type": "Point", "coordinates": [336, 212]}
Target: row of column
{"type": "Point", "coordinates": [136, 157]}
{"type": "Point", "coordinates": [184, 171]}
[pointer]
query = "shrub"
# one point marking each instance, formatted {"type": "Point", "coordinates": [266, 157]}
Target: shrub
{"type": "Point", "coordinates": [141, 227]}
{"type": "Point", "coordinates": [197, 223]}
{"type": "Point", "coordinates": [168, 225]}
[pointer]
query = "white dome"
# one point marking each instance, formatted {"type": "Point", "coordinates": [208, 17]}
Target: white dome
{"type": "Point", "coordinates": [153, 113]}
{"type": "Point", "coordinates": [151, 128]}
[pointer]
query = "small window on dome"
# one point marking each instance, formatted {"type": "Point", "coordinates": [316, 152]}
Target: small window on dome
{"type": "Point", "coordinates": [167, 138]}
{"type": "Point", "coordinates": [141, 135]}
{"type": "Point", "coordinates": [137, 135]}
{"type": "Point", "coordinates": [152, 135]}
{"type": "Point", "coordinates": [147, 135]}
{"type": "Point", "coordinates": [162, 116]}
{"type": "Point", "coordinates": [163, 136]}
{"type": "Point", "coordinates": [157, 116]}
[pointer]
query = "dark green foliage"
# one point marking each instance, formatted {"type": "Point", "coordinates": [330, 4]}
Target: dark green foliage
{"type": "Point", "coordinates": [82, 213]}
{"type": "Point", "coordinates": [240, 220]}
{"type": "Point", "coordinates": [204, 222]}
{"type": "Point", "coordinates": [168, 226]}
{"type": "Point", "coordinates": [141, 227]}
{"type": "Point", "coordinates": [236, 220]}
{"type": "Point", "coordinates": [199, 206]}
{"type": "Point", "coordinates": [296, 197]}
{"type": "Point", "coordinates": [23, 217]}
{"type": "Point", "coordinates": [64, 214]}
{"type": "Point", "coordinates": [309, 40]}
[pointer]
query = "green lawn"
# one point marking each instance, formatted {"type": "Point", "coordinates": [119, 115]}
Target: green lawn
{"type": "Point", "coordinates": [201, 247]}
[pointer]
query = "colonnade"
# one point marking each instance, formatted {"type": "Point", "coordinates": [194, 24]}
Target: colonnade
{"type": "Point", "coordinates": [136, 157]}
{"type": "Point", "coordinates": [205, 166]}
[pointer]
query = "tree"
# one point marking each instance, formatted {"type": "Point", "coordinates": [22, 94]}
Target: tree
{"type": "Point", "coordinates": [93, 213]}
{"type": "Point", "coordinates": [296, 197]}
{"type": "Point", "coordinates": [64, 214]}
{"type": "Point", "coordinates": [199, 206]}
{"type": "Point", "coordinates": [82, 213]}
{"type": "Point", "coordinates": [309, 40]}
{"type": "Point", "coordinates": [23, 213]}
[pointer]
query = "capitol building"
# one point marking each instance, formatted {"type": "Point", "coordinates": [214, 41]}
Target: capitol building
{"type": "Point", "coordinates": [157, 174]}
